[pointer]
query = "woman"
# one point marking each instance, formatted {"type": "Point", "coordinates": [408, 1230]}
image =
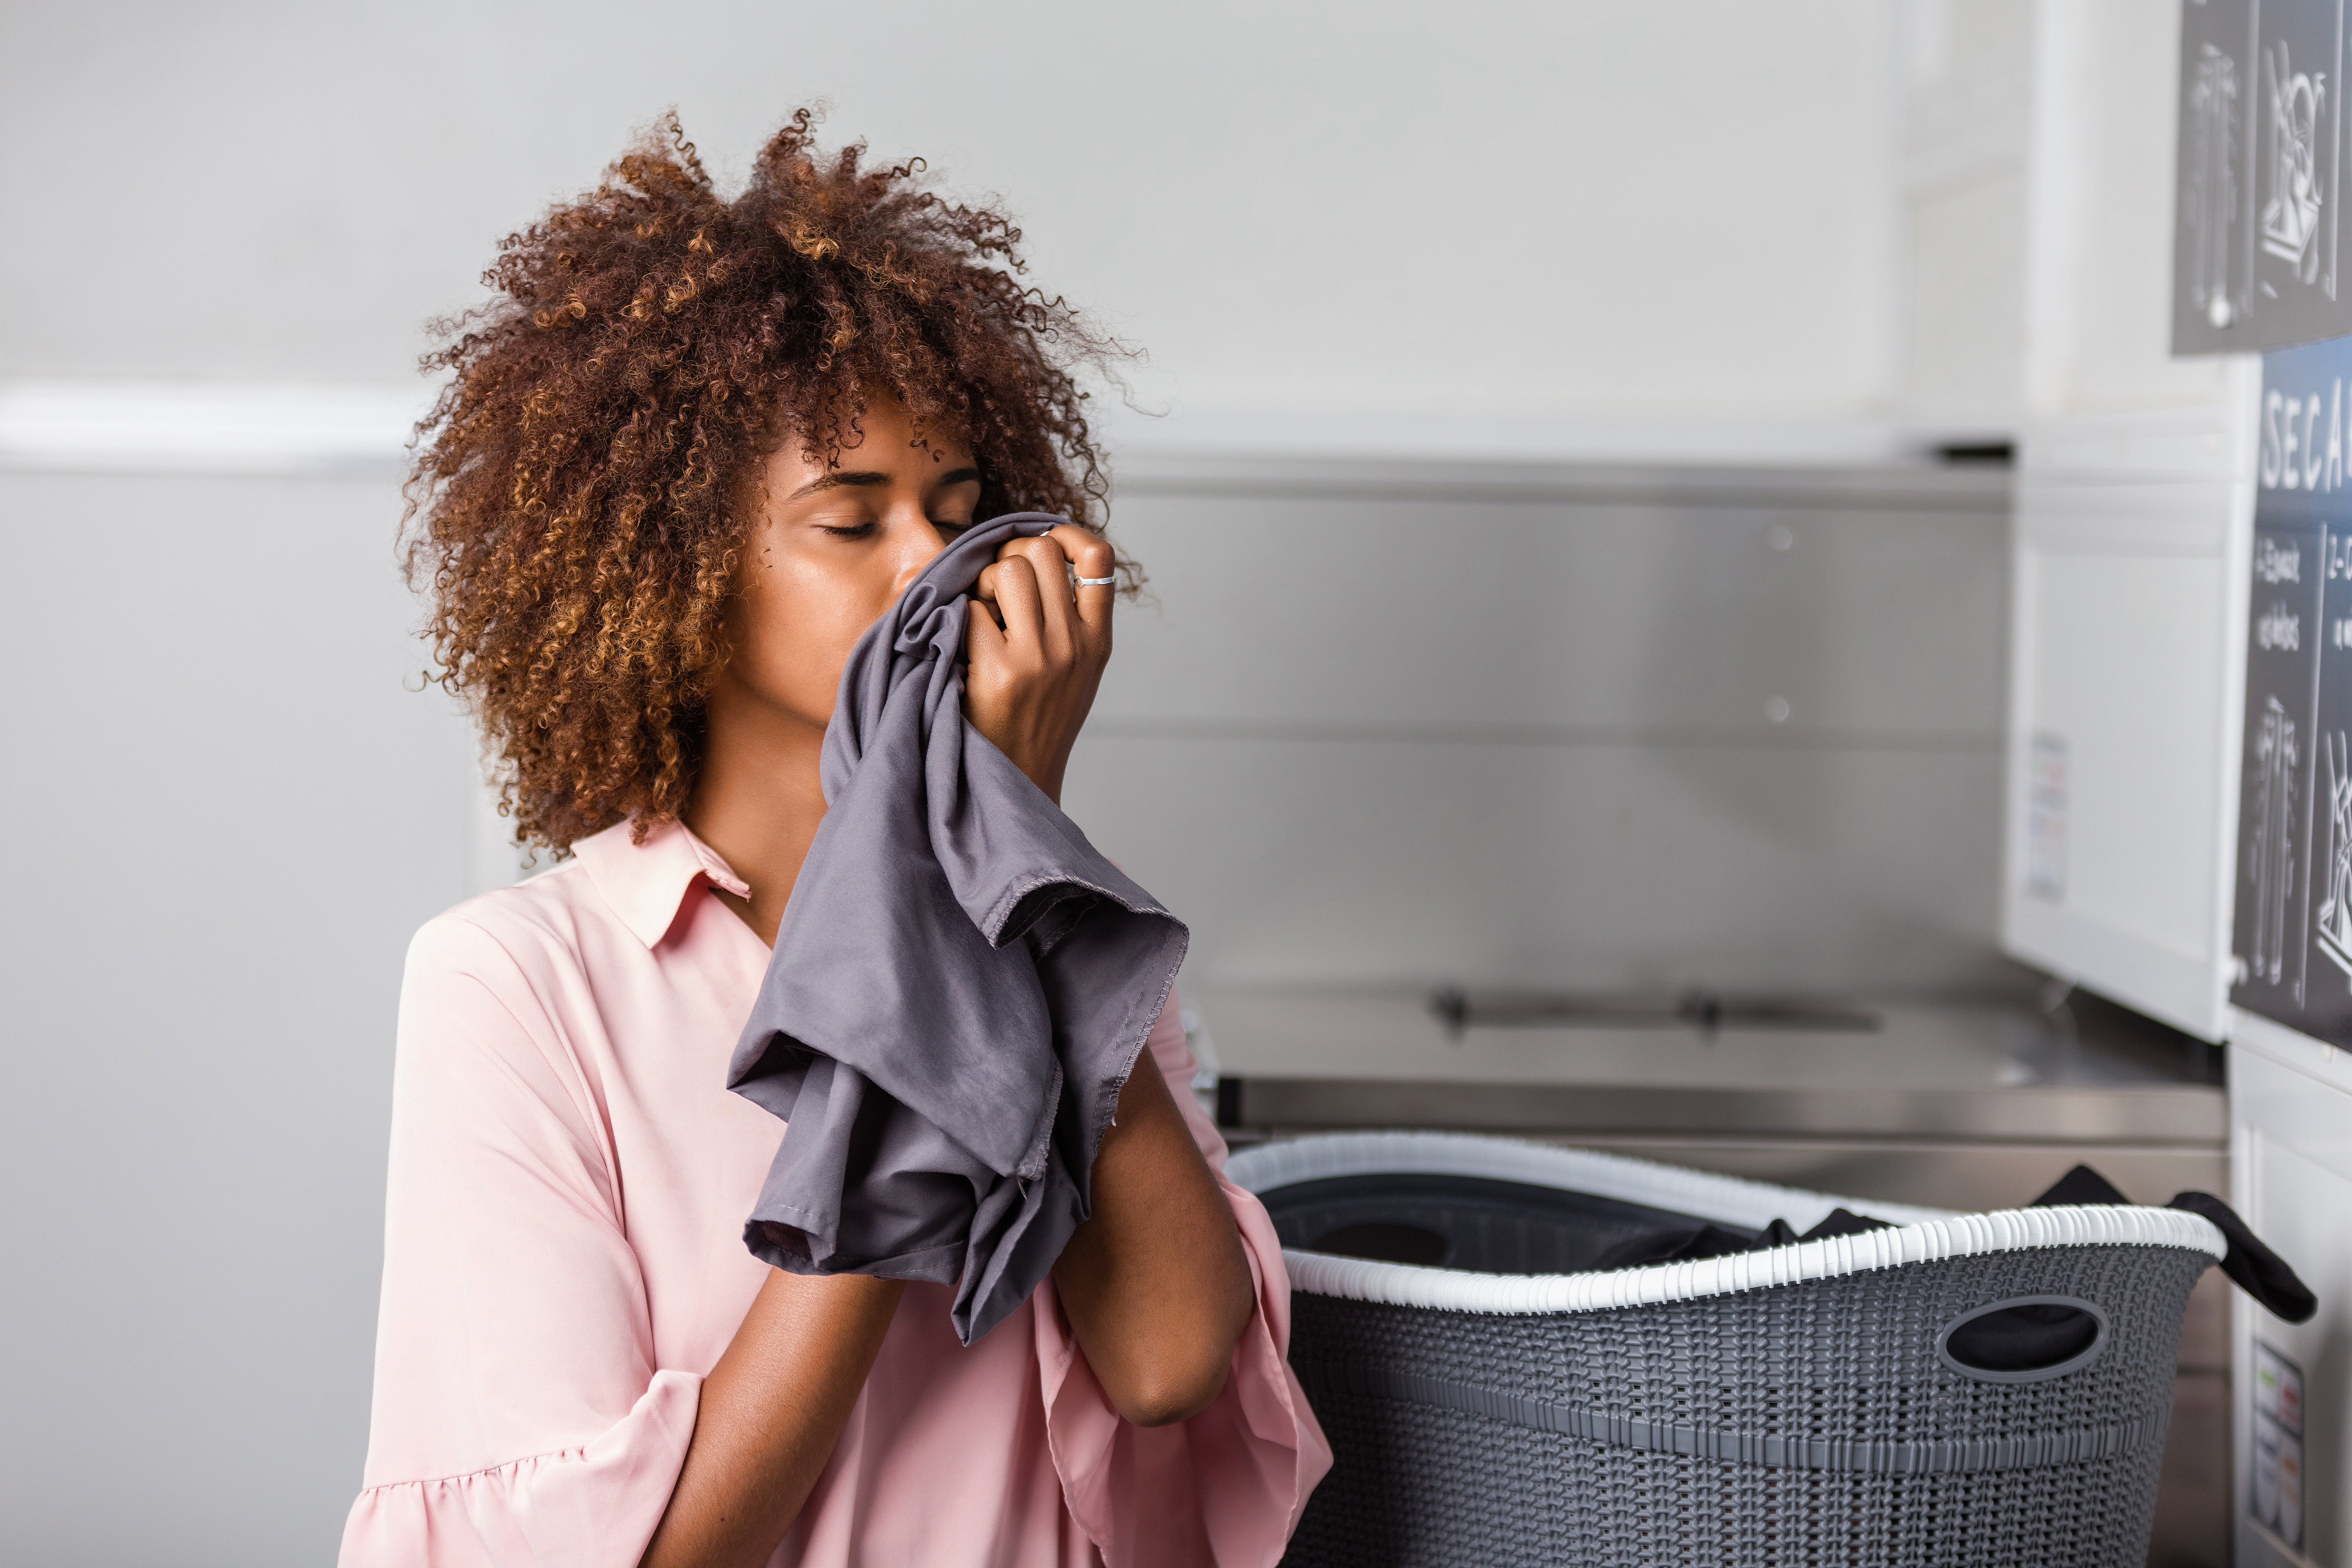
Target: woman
{"type": "Point", "coordinates": [691, 452]}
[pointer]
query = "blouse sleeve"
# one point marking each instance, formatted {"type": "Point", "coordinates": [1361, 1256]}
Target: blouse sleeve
{"type": "Point", "coordinates": [1225, 1486]}
{"type": "Point", "coordinates": [518, 1417]}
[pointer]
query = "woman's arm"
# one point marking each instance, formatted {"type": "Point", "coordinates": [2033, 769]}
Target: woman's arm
{"type": "Point", "coordinates": [772, 1411]}
{"type": "Point", "coordinates": [1156, 1285]}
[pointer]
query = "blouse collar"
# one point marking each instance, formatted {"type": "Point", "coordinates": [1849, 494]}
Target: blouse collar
{"type": "Point", "coordinates": [645, 883]}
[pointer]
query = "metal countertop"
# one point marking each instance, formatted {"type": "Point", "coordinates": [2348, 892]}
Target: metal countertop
{"type": "Point", "coordinates": [1300, 1057]}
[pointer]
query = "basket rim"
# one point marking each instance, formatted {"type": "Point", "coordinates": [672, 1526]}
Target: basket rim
{"type": "Point", "coordinates": [1730, 1200]}
{"type": "Point", "coordinates": [1920, 1236]}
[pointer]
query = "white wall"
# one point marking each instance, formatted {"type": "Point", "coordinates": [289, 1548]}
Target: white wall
{"type": "Point", "coordinates": [227, 810]}
{"type": "Point", "coordinates": [1472, 210]}
{"type": "Point", "coordinates": [1968, 77]}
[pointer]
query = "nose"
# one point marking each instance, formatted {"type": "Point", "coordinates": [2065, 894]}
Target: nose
{"type": "Point", "coordinates": [914, 544]}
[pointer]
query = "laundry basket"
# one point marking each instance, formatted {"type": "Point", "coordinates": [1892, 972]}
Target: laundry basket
{"type": "Point", "coordinates": [1800, 1405]}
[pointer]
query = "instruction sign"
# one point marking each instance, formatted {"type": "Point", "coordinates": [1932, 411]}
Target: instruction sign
{"type": "Point", "coordinates": [2259, 154]}
{"type": "Point", "coordinates": [2291, 941]}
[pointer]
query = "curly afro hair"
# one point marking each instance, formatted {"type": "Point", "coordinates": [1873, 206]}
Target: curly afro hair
{"type": "Point", "coordinates": [578, 501]}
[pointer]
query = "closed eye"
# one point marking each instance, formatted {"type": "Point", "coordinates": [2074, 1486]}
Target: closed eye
{"type": "Point", "coordinates": [851, 531]}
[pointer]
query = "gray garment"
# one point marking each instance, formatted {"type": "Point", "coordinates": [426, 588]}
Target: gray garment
{"type": "Point", "coordinates": [960, 986]}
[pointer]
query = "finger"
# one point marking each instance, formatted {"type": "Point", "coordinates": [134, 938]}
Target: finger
{"type": "Point", "coordinates": [983, 595]}
{"type": "Point", "coordinates": [1058, 608]}
{"type": "Point", "coordinates": [1020, 605]}
{"type": "Point", "coordinates": [983, 639]}
{"type": "Point", "coordinates": [1092, 556]}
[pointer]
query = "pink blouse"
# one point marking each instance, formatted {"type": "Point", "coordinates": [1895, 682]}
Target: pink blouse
{"type": "Point", "coordinates": [564, 1261]}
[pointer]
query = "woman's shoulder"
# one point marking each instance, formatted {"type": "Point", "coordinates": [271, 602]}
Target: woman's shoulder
{"type": "Point", "coordinates": [491, 993]}
{"type": "Point", "coordinates": [533, 930]}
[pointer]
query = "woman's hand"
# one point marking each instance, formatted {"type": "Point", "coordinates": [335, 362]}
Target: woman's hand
{"type": "Point", "coordinates": [1037, 646]}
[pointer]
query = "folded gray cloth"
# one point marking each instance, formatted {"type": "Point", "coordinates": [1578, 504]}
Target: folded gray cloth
{"type": "Point", "coordinates": [960, 986]}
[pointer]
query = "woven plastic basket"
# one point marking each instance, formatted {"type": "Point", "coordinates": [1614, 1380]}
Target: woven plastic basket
{"type": "Point", "coordinates": [1795, 1405]}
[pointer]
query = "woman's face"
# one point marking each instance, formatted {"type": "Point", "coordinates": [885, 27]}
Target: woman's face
{"type": "Point", "coordinates": [829, 550]}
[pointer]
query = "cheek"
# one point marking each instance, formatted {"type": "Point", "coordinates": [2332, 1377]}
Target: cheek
{"type": "Point", "coordinates": [793, 630]}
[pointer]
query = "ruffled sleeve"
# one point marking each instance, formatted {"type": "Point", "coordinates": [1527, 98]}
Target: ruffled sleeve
{"type": "Point", "coordinates": [518, 1417]}
{"type": "Point", "coordinates": [596, 1503]}
{"type": "Point", "coordinates": [1225, 1486]}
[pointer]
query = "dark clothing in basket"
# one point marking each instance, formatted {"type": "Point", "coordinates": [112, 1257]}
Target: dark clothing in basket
{"type": "Point", "coordinates": [960, 986]}
{"type": "Point", "coordinates": [2251, 1265]}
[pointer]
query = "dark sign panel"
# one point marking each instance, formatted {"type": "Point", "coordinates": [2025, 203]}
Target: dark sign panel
{"type": "Point", "coordinates": [2293, 938]}
{"type": "Point", "coordinates": [2261, 137]}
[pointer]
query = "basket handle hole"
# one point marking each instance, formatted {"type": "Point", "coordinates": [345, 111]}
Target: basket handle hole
{"type": "Point", "coordinates": [2025, 1338]}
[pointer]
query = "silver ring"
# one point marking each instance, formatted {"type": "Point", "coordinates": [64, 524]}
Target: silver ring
{"type": "Point", "coordinates": [1097, 582]}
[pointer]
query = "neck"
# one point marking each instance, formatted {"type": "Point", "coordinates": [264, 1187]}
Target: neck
{"type": "Point", "coordinates": [757, 800]}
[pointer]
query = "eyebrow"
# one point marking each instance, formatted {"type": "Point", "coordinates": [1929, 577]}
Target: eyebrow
{"type": "Point", "coordinates": [865, 477]}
